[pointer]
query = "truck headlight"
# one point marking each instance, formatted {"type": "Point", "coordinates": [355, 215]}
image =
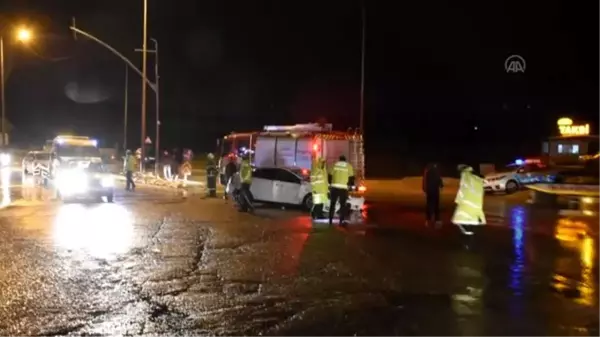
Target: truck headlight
{"type": "Point", "coordinates": [5, 159]}
{"type": "Point", "coordinates": [71, 181]}
{"type": "Point", "coordinates": [107, 182]}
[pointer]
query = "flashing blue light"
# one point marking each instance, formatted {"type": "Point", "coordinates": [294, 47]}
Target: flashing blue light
{"type": "Point", "coordinates": [519, 162]}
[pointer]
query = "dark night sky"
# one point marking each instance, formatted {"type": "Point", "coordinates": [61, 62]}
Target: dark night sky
{"type": "Point", "coordinates": [434, 69]}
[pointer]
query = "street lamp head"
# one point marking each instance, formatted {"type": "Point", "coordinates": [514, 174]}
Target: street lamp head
{"type": "Point", "coordinates": [24, 35]}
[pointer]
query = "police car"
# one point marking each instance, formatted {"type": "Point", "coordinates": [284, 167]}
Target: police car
{"type": "Point", "coordinates": [291, 186]}
{"type": "Point", "coordinates": [515, 176]}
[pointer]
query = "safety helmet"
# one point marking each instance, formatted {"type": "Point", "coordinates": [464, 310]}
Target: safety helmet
{"type": "Point", "coordinates": [464, 167]}
{"type": "Point", "coordinates": [342, 158]}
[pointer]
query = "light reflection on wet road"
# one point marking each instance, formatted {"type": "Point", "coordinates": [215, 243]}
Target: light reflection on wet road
{"type": "Point", "coordinates": [153, 263]}
{"type": "Point", "coordinates": [102, 231]}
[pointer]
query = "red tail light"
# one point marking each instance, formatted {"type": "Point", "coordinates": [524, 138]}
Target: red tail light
{"type": "Point", "coordinates": [316, 147]}
{"type": "Point", "coordinates": [304, 172]}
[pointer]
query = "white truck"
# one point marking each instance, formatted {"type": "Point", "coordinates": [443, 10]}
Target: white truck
{"type": "Point", "coordinates": [292, 146]}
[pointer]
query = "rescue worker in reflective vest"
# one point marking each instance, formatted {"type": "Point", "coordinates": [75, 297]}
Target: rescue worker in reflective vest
{"type": "Point", "coordinates": [319, 186]}
{"type": "Point", "coordinates": [129, 167]}
{"type": "Point", "coordinates": [211, 176]}
{"type": "Point", "coordinates": [341, 177]}
{"type": "Point", "coordinates": [432, 185]}
{"type": "Point", "coordinates": [469, 200]}
{"type": "Point", "coordinates": [246, 180]}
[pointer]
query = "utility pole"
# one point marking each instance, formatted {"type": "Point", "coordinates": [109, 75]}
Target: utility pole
{"type": "Point", "coordinates": [362, 67]}
{"type": "Point", "coordinates": [2, 95]}
{"type": "Point", "coordinates": [125, 108]}
{"type": "Point", "coordinates": [157, 97]}
{"type": "Point", "coordinates": [144, 77]}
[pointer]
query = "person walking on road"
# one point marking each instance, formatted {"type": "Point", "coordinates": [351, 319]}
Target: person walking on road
{"type": "Point", "coordinates": [246, 180]}
{"type": "Point", "coordinates": [230, 170]}
{"type": "Point", "coordinates": [166, 165]}
{"type": "Point", "coordinates": [469, 201]}
{"type": "Point", "coordinates": [340, 178]}
{"type": "Point", "coordinates": [432, 186]}
{"type": "Point", "coordinates": [129, 166]}
{"type": "Point", "coordinates": [176, 161]}
{"type": "Point", "coordinates": [211, 176]}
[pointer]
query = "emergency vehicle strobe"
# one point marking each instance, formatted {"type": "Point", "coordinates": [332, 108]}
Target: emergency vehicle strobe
{"type": "Point", "coordinates": [76, 169]}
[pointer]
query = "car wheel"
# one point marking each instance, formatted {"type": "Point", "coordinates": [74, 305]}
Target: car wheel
{"type": "Point", "coordinates": [307, 202]}
{"type": "Point", "coordinates": [110, 198]}
{"type": "Point", "coordinates": [511, 187]}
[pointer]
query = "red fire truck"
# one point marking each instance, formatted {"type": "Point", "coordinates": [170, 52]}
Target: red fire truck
{"type": "Point", "coordinates": [293, 146]}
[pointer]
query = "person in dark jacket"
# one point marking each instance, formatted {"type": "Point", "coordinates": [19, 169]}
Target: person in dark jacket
{"type": "Point", "coordinates": [230, 170]}
{"type": "Point", "coordinates": [432, 185]}
{"type": "Point", "coordinates": [167, 160]}
{"type": "Point", "coordinates": [211, 175]}
{"type": "Point", "coordinates": [175, 163]}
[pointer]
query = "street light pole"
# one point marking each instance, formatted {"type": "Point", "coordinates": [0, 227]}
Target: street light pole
{"type": "Point", "coordinates": [156, 81]}
{"type": "Point", "coordinates": [2, 94]}
{"type": "Point", "coordinates": [157, 97]}
{"type": "Point", "coordinates": [144, 77]}
{"type": "Point", "coordinates": [125, 108]}
{"type": "Point", "coordinates": [362, 67]}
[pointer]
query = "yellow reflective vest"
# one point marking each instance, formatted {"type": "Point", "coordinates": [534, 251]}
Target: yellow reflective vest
{"type": "Point", "coordinates": [130, 162]}
{"type": "Point", "coordinates": [318, 182]}
{"type": "Point", "coordinates": [246, 172]}
{"type": "Point", "coordinates": [340, 174]}
{"type": "Point", "coordinates": [469, 200]}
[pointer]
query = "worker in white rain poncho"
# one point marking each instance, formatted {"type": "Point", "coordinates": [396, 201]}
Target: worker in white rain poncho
{"type": "Point", "coordinates": [469, 200]}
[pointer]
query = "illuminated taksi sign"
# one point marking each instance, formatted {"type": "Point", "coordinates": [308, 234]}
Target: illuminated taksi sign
{"type": "Point", "coordinates": [567, 128]}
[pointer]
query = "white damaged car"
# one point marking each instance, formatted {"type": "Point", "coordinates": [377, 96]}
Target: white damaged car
{"type": "Point", "coordinates": [291, 186]}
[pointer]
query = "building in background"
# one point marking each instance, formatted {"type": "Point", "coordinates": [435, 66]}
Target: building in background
{"type": "Point", "coordinates": [573, 143]}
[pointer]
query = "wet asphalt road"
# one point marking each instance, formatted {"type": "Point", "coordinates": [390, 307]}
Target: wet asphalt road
{"type": "Point", "coordinates": [154, 263]}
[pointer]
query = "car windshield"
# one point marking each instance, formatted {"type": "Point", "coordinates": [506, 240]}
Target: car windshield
{"type": "Point", "coordinates": [77, 151]}
{"type": "Point", "coordinates": [96, 168]}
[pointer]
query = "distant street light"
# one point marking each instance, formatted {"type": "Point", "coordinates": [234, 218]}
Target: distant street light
{"type": "Point", "coordinates": [23, 35]}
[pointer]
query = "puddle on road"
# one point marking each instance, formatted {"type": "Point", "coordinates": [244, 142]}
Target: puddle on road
{"type": "Point", "coordinates": [576, 270]}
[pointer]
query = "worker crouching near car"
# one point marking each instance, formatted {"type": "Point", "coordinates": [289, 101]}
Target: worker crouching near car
{"type": "Point", "coordinates": [319, 186]}
{"type": "Point", "coordinates": [469, 200]}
